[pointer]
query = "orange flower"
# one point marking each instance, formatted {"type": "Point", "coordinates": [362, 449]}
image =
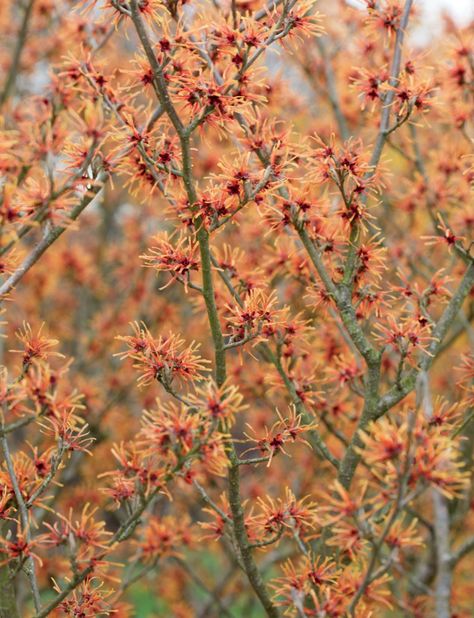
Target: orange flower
{"type": "Point", "coordinates": [283, 431]}
{"type": "Point", "coordinates": [162, 538]}
{"type": "Point", "coordinates": [35, 346]}
{"type": "Point", "coordinates": [161, 359]}
{"type": "Point", "coordinates": [177, 258]}
{"type": "Point", "coordinates": [286, 513]}
{"type": "Point", "coordinates": [218, 403]}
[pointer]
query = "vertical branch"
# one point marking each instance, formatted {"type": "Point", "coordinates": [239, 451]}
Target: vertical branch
{"type": "Point", "coordinates": [443, 557]}
{"type": "Point", "coordinates": [331, 86]}
{"type": "Point", "coordinates": [8, 607]}
{"type": "Point", "coordinates": [352, 456]}
{"type": "Point", "coordinates": [384, 132]}
{"type": "Point", "coordinates": [443, 582]}
{"type": "Point", "coordinates": [393, 82]}
{"type": "Point", "coordinates": [25, 524]}
{"type": "Point", "coordinates": [235, 500]}
{"type": "Point", "coordinates": [209, 299]}
{"type": "Point", "coordinates": [20, 43]}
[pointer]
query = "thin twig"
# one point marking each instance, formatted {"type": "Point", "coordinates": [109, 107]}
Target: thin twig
{"type": "Point", "coordinates": [25, 523]}
{"type": "Point", "coordinates": [20, 43]}
{"type": "Point", "coordinates": [49, 237]}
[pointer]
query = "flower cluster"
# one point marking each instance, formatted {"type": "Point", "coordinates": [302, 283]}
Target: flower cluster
{"type": "Point", "coordinates": [162, 359]}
